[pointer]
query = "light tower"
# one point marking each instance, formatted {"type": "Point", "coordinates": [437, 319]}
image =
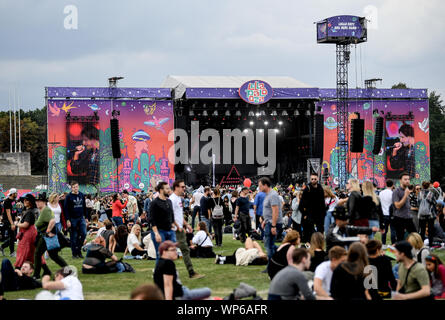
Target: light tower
{"type": "Point", "coordinates": [342, 31]}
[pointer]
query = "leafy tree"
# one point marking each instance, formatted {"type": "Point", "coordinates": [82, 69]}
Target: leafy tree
{"type": "Point", "coordinates": [400, 85]}
{"type": "Point", "coordinates": [437, 136]}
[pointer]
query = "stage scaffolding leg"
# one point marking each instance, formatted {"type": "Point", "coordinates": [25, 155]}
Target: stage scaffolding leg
{"type": "Point", "coordinates": [343, 52]}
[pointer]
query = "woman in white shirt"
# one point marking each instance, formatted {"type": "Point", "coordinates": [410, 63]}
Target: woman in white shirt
{"type": "Point", "coordinates": [331, 202]}
{"type": "Point", "coordinates": [202, 246]}
{"type": "Point", "coordinates": [66, 283]}
{"type": "Point", "coordinates": [134, 242]}
{"type": "Point", "coordinates": [53, 204]}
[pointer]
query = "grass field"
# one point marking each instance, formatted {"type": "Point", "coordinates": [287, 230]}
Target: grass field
{"type": "Point", "coordinates": [221, 279]}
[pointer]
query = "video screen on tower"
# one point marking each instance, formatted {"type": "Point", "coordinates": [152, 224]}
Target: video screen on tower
{"type": "Point", "coordinates": [83, 157]}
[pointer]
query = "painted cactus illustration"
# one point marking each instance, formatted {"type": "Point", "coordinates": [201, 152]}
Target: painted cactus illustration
{"type": "Point", "coordinates": [143, 171]}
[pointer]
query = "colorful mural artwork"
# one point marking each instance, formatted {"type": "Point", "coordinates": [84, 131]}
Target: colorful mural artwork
{"type": "Point", "coordinates": [144, 127]}
{"type": "Point", "coordinates": [366, 165]}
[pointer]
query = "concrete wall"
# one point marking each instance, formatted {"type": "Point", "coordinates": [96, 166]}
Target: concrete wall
{"type": "Point", "coordinates": [15, 164]}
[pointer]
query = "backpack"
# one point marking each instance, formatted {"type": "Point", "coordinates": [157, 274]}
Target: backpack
{"type": "Point", "coordinates": [217, 212]}
{"type": "Point", "coordinates": [427, 204]}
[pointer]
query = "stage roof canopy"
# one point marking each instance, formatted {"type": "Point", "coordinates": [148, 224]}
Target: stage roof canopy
{"type": "Point", "coordinates": [181, 83]}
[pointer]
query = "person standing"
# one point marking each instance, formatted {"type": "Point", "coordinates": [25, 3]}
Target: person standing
{"type": "Point", "coordinates": [45, 225]}
{"type": "Point", "coordinates": [9, 216]}
{"type": "Point", "coordinates": [195, 204]}
{"type": "Point", "coordinates": [354, 204]}
{"type": "Point", "coordinates": [181, 226]}
{"type": "Point", "coordinates": [76, 212]}
{"type": "Point", "coordinates": [53, 204]}
{"type": "Point", "coordinates": [203, 207]}
{"type": "Point", "coordinates": [117, 207]}
{"type": "Point", "coordinates": [372, 207]}
{"type": "Point", "coordinates": [258, 210]}
{"type": "Point", "coordinates": [27, 235]}
{"type": "Point", "coordinates": [216, 212]}
{"type": "Point", "coordinates": [427, 211]}
{"type": "Point", "coordinates": [414, 282]}
{"type": "Point", "coordinates": [132, 207]}
{"type": "Point", "coordinates": [147, 202]}
{"type": "Point", "coordinates": [273, 219]}
{"type": "Point", "coordinates": [403, 221]}
{"type": "Point", "coordinates": [312, 206]}
{"type": "Point", "coordinates": [162, 217]}
{"type": "Point", "coordinates": [242, 213]}
{"type": "Point", "coordinates": [386, 202]}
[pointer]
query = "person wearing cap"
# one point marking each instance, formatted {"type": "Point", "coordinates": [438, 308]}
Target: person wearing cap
{"type": "Point", "coordinates": [341, 233]}
{"type": "Point", "coordinates": [242, 213]}
{"type": "Point", "coordinates": [27, 232]}
{"type": "Point", "coordinates": [414, 282]}
{"type": "Point", "coordinates": [9, 216]}
{"type": "Point", "coordinates": [166, 276]}
{"type": "Point", "coordinates": [46, 228]}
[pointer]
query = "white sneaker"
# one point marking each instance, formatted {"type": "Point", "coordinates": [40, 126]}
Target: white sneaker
{"type": "Point", "coordinates": [13, 255]}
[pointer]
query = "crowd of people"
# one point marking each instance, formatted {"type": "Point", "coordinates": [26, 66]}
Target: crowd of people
{"type": "Point", "coordinates": [319, 243]}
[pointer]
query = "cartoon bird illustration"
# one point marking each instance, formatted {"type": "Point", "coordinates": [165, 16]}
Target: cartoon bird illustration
{"type": "Point", "coordinates": [424, 125]}
{"type": "Point", "coordinates": [94, 107]}
{"type": "Point", "coordinates": [55, 111]}
{"type": "Point", "coordinates": [149, 109]}
{"type": "Point", "coordinates": [157, 123]}
{"type": "Point", "coordinates": [66, 108]}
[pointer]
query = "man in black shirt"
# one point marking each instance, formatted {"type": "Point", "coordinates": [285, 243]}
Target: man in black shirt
{"type": "Point", "coordinates": [14, 280]}
{"type": "Point", "coordinates": [166, 276]}
{"type": "Point", "coordinates": [203, 207]}
{"type": "Point", "coordinates": [9, 215]}
{"type": "Point", "coordinates": [313, 208]}
{"type": "Point", "coordinates": [162, 217]}
{"type": "Point", "coordinates": [242, 213]}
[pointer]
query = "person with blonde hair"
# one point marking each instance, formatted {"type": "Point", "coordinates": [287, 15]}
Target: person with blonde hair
{"type": "Point", "coordinates": [331, 201]}
{"type": "Point", "coordinates": [283, 255]}
{"type": "Point", "coordinates": [372, 209]}
{"type": "Point", "coordinates": [420, 252]}
{"type": "Point", "coordinates": [354, 204]}
{"type": "Point", "coordinates": [134, 242]}
{"type": "Point", "coordinates": [53, 204]}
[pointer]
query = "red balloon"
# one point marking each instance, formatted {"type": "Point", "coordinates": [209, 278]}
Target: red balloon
{"type": "Point", "coordinates": [247, 183]}
{"type": "Point", "coordinates": [436, 184]}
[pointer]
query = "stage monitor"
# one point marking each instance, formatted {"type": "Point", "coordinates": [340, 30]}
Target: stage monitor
{"type": "Point", "coordinates": [342, 30]}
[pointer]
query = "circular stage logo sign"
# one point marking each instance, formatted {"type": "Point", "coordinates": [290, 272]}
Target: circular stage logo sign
{"type": "Point", "coordinates": [256, 92]}
{"type": "Point", "coordinates": [141, 185]}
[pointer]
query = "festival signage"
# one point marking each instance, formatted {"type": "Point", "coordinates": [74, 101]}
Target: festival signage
{"type": "Point", "coordinates": [341, 27]}
{"type": "Point", "coordinates": [256, 92]}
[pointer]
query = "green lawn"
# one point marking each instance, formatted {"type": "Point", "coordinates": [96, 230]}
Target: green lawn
{"type": "Point", "coordinates": [222, 279]}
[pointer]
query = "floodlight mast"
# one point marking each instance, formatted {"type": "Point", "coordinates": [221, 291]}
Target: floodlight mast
{"type": "Point", "coordinates": [342, 31]}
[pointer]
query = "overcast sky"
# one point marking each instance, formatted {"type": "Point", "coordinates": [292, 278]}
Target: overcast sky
{"type": "Point", "coordinates": [145, 41]}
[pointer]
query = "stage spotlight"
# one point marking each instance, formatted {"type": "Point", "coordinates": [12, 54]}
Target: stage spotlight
{"type": "Point", "coordinates": [280, 123]}
{"type": "Point", "coordinates": [277, 131]}
{"type": "Point", "coordinates": [204, 105]}
{"type": "Point", "coordinates": [204, 113]}
{"type": "Point", "coordinates": [227, 113]}
{"type": "Point", "coordinates": [251, 123]}
{"type": "Point", "coordinates": [216, 105]}
{"type": "Point", "coordinates": [251, 114]}
{"type": "Point", "coordinates": [226, 105]}
{"type": "Point", "coordinates": [261, 130]}
{"type": "Point", "coordinates": [263, 113]}
{"type": "Point", "coordinates": [296, 113]}
{"type": "Point", "coordinates": [308, 113]}
{"type": "Point", "coordinates": [278, 105]}
{"type": "Point", "coordinates": [238, 113]}
{"type": "Point", "coordinates": [266, 123]}
{"type": "Point", "coordinates": [289, 105]}
{"type": "Point", "coordinates": [274, 113]}
{"type": "Point", "coordinates": [215, 113]}
{"type": "Point", "coordinates": [191, 113]}
{"type": "Point", "coordinates": [245, 130]}
{"type": "Point", "coordinates": [257, 114]}
{"type": "Point", "coordinates": [284, 113]}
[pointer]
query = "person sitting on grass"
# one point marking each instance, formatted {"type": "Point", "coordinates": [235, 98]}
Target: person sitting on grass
{"type": "Point", "coordinates": [291, 283]}
{"type": "Point", "coordinates": [134, 243]}
{"type": "Point", "coordinates": [436, 271]}
{"type": "Point", "coordinates": [66, 283]}
{"type": "Point", "coordinates": [324, 271]}
{"type": "Point", "coordinates": [386, 280]}
{"type": "Point", "coordinates": [283, 256]}
{"type": "Point", "coordinates": [202, 246]}
{"type": "Point", "coordinates": [252, 254]}
{"type": "Point", "coordinates": [147, 292]}
{"type": "Point", "coordinates": [95, 260]}
{"type": "Point", "coordinates": [166, 276]}
{"type": "Point", "coordinates": [18, 279]}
